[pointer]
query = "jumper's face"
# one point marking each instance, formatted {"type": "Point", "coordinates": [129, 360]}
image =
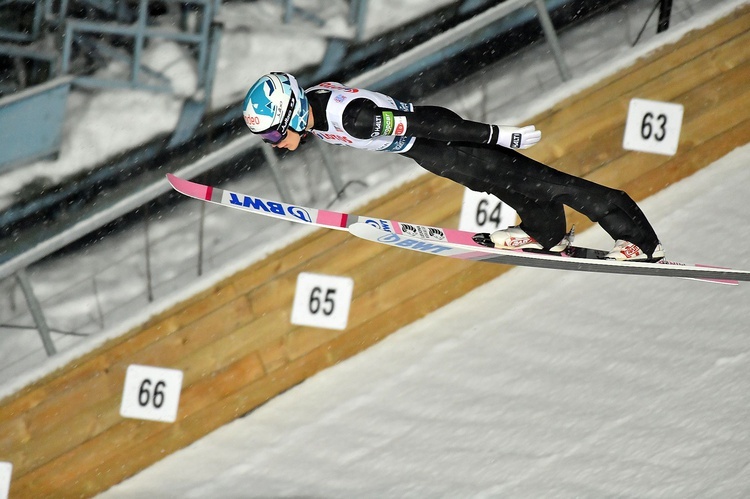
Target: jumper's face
{"type": "Point", "coordinates": [291, 141]}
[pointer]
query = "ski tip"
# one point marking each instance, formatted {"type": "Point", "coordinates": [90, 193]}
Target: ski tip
{"type": "Point", "coordinates": [173, 180]}
{"type": "Point", "coordinates": [188, 188]}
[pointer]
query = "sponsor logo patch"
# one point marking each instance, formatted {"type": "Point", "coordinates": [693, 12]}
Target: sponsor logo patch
{"type": "Point", "coordinates": [377, 126]}
{"type": "Point", "coordinates": [283, 209]}
{"type": "Point", "coordinates": [400, 125]}
{"type": "Point", "coordinates": [631, 251]}
{"type": "Point", "coordinates": [336, 86]}
{"type": "Point", "coordinates": [423, 232]}
{"type": "Point", "coordinates": [388, 123]}
{"type": "Point", "coordinates": [379, 223]}
{"type": "Point", "coordinates": [517, 242]}
{"type": "Point", "coordinates": [415, 244]}
{"type": "Point", "coordinates": [398, 144]}
{"type": "Point", "coordinates": [332, 137]}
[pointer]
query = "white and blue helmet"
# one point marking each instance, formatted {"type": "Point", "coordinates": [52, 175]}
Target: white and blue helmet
{"type": "Point", "coordinates": [274, 104]}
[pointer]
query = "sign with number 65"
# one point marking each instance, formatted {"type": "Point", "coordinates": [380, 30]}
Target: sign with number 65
{"type": "Point", "coordinates": [322, 300]}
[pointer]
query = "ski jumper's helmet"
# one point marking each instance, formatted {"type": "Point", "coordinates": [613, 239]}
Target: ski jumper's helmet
{"type": "Point", "coordinates": [274, 104]}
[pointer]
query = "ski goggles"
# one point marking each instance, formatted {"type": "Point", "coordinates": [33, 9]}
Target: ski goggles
{"type": "Point", "coordinates": [276, 134]}
{"type": "Point", "coordinates": [272, 136]}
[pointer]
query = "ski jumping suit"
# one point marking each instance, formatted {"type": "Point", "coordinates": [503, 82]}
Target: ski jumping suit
{"type": "Point", "coordinates": [464, 151]}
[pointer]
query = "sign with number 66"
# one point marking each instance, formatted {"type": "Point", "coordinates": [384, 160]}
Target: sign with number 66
{"type": "Point", "coordinates": [6, 470]}
{"type": "Point", "coordinates": [151, 393]}
{"type": "Point", "coordinates": [653, 126]}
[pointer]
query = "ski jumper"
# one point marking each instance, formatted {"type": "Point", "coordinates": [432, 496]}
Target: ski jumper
{"type": "Point", "coordinates": [465, 151]}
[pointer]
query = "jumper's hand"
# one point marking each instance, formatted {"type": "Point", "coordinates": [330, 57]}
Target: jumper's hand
{"type": "Point", "coordinates": [518, 138]}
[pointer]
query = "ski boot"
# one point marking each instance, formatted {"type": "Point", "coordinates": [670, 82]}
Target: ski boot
{"type": "Point", "coordinates": [625, 251]}
{"type": "Point", "coordinates": [515, 238]}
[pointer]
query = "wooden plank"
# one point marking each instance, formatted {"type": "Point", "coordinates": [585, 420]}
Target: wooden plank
{"type": "Point", "coordinates": [701, 125]}
{"type": "Point", "coordinates": [680, 167]}
{"type": "Point", "coordinates": [590, 133]}
{"type": "Point", "coordinates": [651, 77]}
{"type": "Point", "coordinates": [61, 421]}
{"type": "Point", "coordinates": [99, 458]}
{"type": "Point", "coordinates": [92, 366]}
{"type": "Point", "coordinates": [463, 277]}
{"type": "Point", "coordinates": [646, 69]}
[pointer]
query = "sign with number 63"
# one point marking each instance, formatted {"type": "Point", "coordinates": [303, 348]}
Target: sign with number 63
{"type": "Point", "coordinates": [151, 393]}
{"type": "Point", "coordinates": [653, 126]}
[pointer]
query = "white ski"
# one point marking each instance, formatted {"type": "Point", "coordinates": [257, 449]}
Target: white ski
{"type": "Point", "coordinates": [447, 242]}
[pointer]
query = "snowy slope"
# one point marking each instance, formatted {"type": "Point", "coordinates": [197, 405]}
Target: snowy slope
{"type": "Point", "coordinates": [538, 384]}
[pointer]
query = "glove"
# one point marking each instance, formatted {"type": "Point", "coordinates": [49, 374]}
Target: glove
{"type": "Point", "coordinates": [517, 138]}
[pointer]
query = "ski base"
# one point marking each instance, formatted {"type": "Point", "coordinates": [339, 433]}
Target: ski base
{"type": "Point", "coordinates": [451, 243]}
{"type": "Point", "coordinates": [591, 262]}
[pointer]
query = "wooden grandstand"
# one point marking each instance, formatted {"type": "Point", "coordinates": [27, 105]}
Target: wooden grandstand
{"type": "Point", "coordinates": [235, 343]}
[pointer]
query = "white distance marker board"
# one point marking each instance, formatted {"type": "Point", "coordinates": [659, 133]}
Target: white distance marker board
{"type": "Point", "coordinates": [482, 212]}
{"type": "Point", "coordinates": [151, 393]}
{"type": "Point", "coordinates": [322, 301]}
{"type": "Point", "coordinates": [653, 126]}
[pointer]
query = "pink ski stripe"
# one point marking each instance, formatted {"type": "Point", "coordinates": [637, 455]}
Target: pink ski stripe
{"type": "Point", "coordinates": [718, 281]}
{"type": "Point", "coordinates": [730, 282]}
{"type": "Point", "coordinates": [711, 266]}
{"type": "Point", "coordinates": [460, 237]}
{"type": "Point", "coordinates": [331, 218]}
{"type": "Point", "coordinates": [190, 188]}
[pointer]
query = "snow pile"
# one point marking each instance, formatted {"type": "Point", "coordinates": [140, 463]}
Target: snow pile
{"type": "Point", "coordinates": [539, 384]}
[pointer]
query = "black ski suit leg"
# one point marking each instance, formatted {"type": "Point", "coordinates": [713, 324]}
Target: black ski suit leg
{"type": "Point", "coordinates": [543, 219]}
{"type": "Point", "coordinates": [536, 191]}
{"type": "Point", "coordinates": [613, 209]}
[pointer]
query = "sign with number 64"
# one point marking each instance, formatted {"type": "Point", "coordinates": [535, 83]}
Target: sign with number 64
{"type": "Point", "coordinates": [653, 126]}
{"type": "Point", "coordinates": [482, 212]}
{"type": "Point", "coordinates": [151, 393]}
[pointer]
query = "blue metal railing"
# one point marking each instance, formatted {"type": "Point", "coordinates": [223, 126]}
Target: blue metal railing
{"type": "Point", "coordinates": [31, 122]}
{"type": "Point", "coordinates": [140, 33]}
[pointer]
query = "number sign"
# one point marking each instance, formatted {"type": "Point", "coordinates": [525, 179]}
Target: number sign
{"type": "Point", "coordinates": [151, 393]}
{"type": "Point", "coordinates": [481, 212]}
{"type": "Point", "coordinates": [6, 470]}
{"type": "Point", "coordinates": [322, 301]}
{"type": "Point", "coordinates": [653, 126]}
